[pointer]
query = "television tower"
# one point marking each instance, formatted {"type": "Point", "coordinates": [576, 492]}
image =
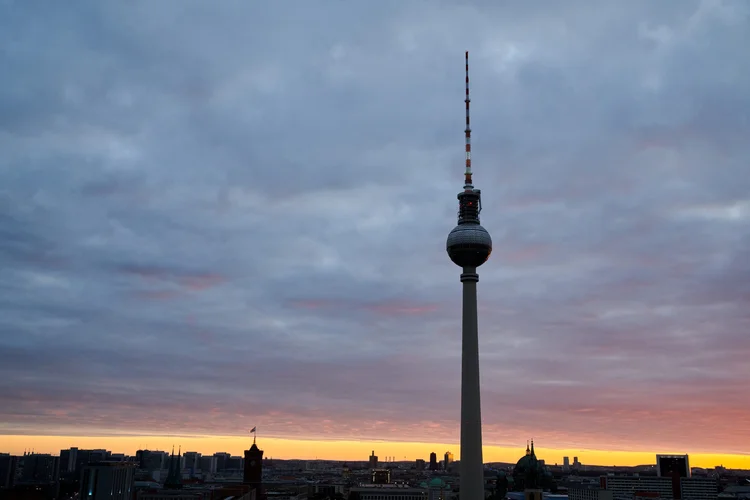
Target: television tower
{"type": "Point", "coordinates": [469, 246]}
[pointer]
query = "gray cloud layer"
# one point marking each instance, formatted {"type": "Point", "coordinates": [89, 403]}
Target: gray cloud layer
{"type": "Point", "coordinates": [215, 215]}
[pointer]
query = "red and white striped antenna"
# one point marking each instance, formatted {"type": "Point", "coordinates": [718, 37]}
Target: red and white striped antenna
{"type": "Point", "coordinates": [467, 183]}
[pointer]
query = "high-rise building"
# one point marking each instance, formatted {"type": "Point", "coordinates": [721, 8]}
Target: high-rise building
{"type": "Point", "coordinates": [151, 460]}
{"type": "Point", "coordinates": [68, 460]}
{"type": "Point", "coordinates": [469, 246]}
{"type": "Point", "coordinates": [191, 461]}
{"type": "Point", "coordinates": [40, 468]}
{"type": "Point", "coordinates": [566, 464]}
{"type": "Point", "coordinates": [670, 465]}
{"type": "Point", "coordinates": [8, 467]}
{"type": "Point", "coordinates": [208, 464]}
{"type": "Point", "coordinates": [373, 460]}
{"type": "Point", "coordinates": [222, 461]}
{"type": "Point", "coordinates": [108, 481]}
{"type": "Point", "coordinates": [447, 459]}
{"type": "Point", "coordinates": [433, 461]}
{"type": "Point", "coordinates": [420, 464]}
{"type": "Point", "coordinates": [673, 467]}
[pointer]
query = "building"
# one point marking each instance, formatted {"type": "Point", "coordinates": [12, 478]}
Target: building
{"type": "Point", "coordinates": [420, 464]}
{"type": "Point", "coordinates": [191, 461]}
{"type": "Point", "coordinates": [40, 468]}
{"type": "Point", "coordinates": [566, 464]}
{"type": "Point", "coordinates": [222, 461]}
{"type": "Point", "coordinates": [68, 459]}
{"type": "Point", "coordinates": [373, 461]}
{"type": "Point", "coordinates": [433, 461]}
{"type": "Point", "coordinates": [589, 494]}
{"type": "Point", "coordinates": [698, 488]}
{"type": "Point", "coordinates": [381, 476]}
{"type": "Point", "coordinates": [174, 473]}
{"type": "Point", "coordinates": [672, 465]}
{"type": "Point", "coordinates": [469, 246]}
{"type": "Point", "coordinates": [253, 471]}
{"type": "Point", "coordinates": [108, 481]}
{"type": "Point", "coordinates": [151, 460]}
{"type": "Point", "coordinates": [8, 468]}
{"type": "Point", "coordinates": [208, 464]}
{"type": "Point", "coordinates": [388, 492]}
{"type": "Point", "coordinates": [626, 487]}
{"type": "Point", "coordinates": [447, 459]}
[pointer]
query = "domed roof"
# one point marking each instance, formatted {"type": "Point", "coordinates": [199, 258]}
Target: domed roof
{"type": "Point", "coordinates": [526, 462]}
{"type": "Point", "coordinates": [437, 483]}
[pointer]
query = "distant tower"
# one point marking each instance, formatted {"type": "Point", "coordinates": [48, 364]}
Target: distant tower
{"type": "Point", "coordinates": [433, 461]}
{"type": "Point", "coordinates": [469, 246]}
{"type": "Point", "coordinates": [253, 472]}
{"type": "Point", "coordinates": [373, 460]}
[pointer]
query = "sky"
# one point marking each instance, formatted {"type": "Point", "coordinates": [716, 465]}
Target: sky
{"type": "Point", "coordinates": [215, 216]}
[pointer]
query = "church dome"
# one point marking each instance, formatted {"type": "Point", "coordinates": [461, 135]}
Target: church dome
{"type": "Point", "coordinates": [525, 463]}
{"type": "Point", "coordinates": [437, 483]}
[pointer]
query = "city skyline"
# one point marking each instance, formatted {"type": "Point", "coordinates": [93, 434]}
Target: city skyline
{"type": "Point", "coordinates": [310, 449]}
{"type": "Point", "coordinates": [218, 217]}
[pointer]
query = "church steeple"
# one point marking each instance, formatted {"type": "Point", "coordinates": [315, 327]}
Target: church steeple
{"type": "Point", "coordinates": [532, 448]}
{"type": "Point", "coordinates": [174, 474]}
{"type": "Point", "coordinates": [528, 451]}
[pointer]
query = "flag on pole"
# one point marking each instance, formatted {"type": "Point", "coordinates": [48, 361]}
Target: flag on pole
{"type": "Point", "coordinates": [252, 430]}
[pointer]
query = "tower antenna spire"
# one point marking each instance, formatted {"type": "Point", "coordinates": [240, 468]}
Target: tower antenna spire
{"type": "Point", "coordinates": [468, 184]}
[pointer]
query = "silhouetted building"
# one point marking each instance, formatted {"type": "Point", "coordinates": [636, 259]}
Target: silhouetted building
{"type": "Point", "coordinates": [8, 468]}
{"type": "Point", "coordinates": [420, 464]}
{"type": "Point", "coordinates": [208, 464]}
{"type": "Point", "coordinates": [447, 459]}
{"type": "Point", "coordinates": [174, 473]}
{"type": "Point", "coordinates": [253, 471]}
{"type": "Point", "coordinates": [373, 460]}
{"type": "Point", "coordinates": [38, 468]}
{"type": "Point", "coordinates": [381, 476]}
{"type": "Point", "coordinates": [222, 461]}
{"type": "Point", "coordinates": [108, 481]}
{"type": "Point", "coordinates": [151, 460]}
{"type": "Point", "coordinates": [191, 461]}
{"type": "Point", "coordinates": [68, 460]}
{"type": "Point", "coordinates": [433, 461]}
{"type": "Point", "coordinates": [532, 474]}
{"type": "Point", "coordinates": [673, 467]}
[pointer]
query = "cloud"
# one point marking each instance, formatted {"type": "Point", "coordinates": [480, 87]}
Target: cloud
{"type": "Point", "coordinates": [215, 214]}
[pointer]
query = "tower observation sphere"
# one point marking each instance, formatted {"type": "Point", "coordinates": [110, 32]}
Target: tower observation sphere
{"type": "Point", "coordinates": [469, 245]}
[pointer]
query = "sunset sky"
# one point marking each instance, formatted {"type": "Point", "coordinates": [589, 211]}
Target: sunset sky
{"type": "Point", "coordinates": [220, 215]}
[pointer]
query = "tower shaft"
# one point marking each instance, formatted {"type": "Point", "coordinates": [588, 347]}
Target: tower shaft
{"type": "Point", "coordinates": [472, 465]}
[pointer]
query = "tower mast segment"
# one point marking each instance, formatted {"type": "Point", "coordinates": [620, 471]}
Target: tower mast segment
{"type": "Point", "coordinates": [467, 182]}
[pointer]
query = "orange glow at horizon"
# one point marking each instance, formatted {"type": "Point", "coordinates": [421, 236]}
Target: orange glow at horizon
{"type": "Point", "coordinates": [346, 450]}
